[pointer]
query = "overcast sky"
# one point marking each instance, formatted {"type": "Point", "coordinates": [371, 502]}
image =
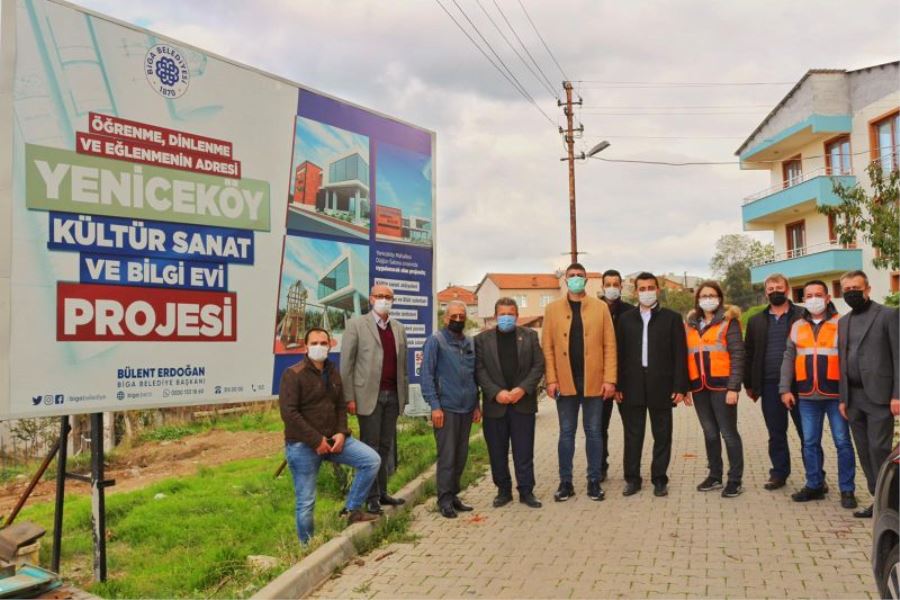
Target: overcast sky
{"type": "Point", "coordinates": [502, 193]}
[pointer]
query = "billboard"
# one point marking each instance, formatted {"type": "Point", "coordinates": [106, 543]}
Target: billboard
{"type": "Point", "coordinates": [174, 222]}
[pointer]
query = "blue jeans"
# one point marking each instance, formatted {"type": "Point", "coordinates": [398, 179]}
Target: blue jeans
{"type": "Point", "coordinates": [812, 413]}
{"type": "Point", "coordinates": [305, 463]}
{"type": "Point", "coordinates": [776, 417]}
{"type": "Point", "coordinates": [567, 411]}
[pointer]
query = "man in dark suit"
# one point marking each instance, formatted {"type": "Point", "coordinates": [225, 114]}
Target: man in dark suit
{"type": "Point", "coordinates": [653, 377]}
{"type": "Point", "coordinates": [612, 295]}
{"type": "Point", "coordinates": [870, 381]}
{"type": "Point", "coordinates": [509, 365]}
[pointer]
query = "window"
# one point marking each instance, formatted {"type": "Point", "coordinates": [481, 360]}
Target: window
{"type": "Point", "coordinates": [546, 299]}
{"type": "Point", "coordinates": [797, 293]}
{"type": "Point", "coordinates": [792, 170]}
{"type": "Point", "coordinates": [832, 236]}
{"type": "Point", "coordinates": [895, 281]}
{"type": "Point", "coordinates": [885, 141]}
{"type": "Point", "coordinates": [796, 239]}
{"type": "Point", "coordinates": [337, 279]}
{"type": "Point", "coordinates": [836, 291]}
{"type": "Point", "coordinates": [837, 156]}
{"type": "Point", "coordinates": [521, 300]}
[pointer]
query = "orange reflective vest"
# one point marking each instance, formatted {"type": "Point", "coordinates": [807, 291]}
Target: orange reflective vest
{"type": "Point", "coordinates": [709, 364]}
{"type": "Point", "coordinates": [816, 367]}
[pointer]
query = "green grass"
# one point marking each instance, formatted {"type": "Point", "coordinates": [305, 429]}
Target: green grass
{"type": "Point", "coordinates": [193, 541]}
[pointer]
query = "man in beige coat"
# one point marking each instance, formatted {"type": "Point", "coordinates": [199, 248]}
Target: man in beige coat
{"type": "Point", "coordinates": [580, 355]}
{"type": "Point", "coordinates": [376, 383]}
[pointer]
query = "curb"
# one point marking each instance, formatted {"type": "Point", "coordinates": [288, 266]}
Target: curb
{"type": "Point", "coordinates": [312, 570]}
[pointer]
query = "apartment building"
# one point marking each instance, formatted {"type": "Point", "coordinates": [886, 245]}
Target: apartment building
{"type": "Point", "coordinates": [828, 128]}
{"type": "Point", "coordinates": [460, 293]}
{"type": "Point", "coordinates": [531, 291]}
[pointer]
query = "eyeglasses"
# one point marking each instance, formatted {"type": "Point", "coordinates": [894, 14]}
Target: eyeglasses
{"type": "Point", "coordinates": [713, 297]}
{"type": "Point", "coordinates": [383, 296]}
{"type": "Point", "coordinates": [457, 317]}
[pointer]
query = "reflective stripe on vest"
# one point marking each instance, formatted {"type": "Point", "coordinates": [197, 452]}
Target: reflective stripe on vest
{"type": "Point", "coordinates": [816, 367]}
{"type": "Point", "coordinates": [709, 364]}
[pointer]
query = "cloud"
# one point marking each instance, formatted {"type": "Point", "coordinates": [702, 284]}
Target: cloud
{"type": "Point", "coordinates": [502, 194]}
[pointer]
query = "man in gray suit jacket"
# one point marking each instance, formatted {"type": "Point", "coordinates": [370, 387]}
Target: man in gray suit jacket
{"type": "Point", "coordinates": [376, 383]}
{"type": "Point", "coordinates": [870, 381]}
{"type": "Point", "coordinates": [509, 365]}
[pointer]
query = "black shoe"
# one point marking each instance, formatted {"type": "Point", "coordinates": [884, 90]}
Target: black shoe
{"type": "Point", "coordinates": [660, 490]}
{"type": "Point", "coordinates": [372, 507]}
{"type": "Point", "coordinates": [502, 499]}
{"type": "Point", "coordinates": [825, 487]}
{"type": "Point", "coordinates": [602, 476]}
{"type": "Point", "coordinates": [386, 500]}
{"type": "Point", "coordinates": [865, 513]}
{"type": "Point", "coordinates": [594, 492]}
{"type": "Point", "coordinates": [447, 512]}
{"type": "Point", "coordinates": [806, 494]}
{"type": "Point", "coordinates": [459, 506]}
{"type": "Point", "coordinates": [774, 483]}
{"type": "Point", "coordinates": [631, 488]}
{"type": "Point", "coordinates": [565, 491]}
{"type": "Point", "coordinates": [848, 500]}
{"type": "Point", "coordinates": [530, 500]}
{"type": "Point", "coordinates": [732, 489]}
{"type": "Point", "coordinates": [709, 484]}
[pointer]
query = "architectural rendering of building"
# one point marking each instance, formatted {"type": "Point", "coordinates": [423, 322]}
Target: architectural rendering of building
{"type": "Point", "coordinates": [828, 128]}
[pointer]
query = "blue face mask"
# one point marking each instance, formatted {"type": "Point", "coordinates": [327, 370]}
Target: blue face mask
{"type": "Point", "coordinates": [506, 323]}
{"type": "Point", "coordinates": [576, 284]}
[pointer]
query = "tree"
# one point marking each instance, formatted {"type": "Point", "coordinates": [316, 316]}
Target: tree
{"type": "Point", "coordinates": [735, 254]}
{"type": "Point", "coordinates": [875, 218]}
{"type": "Point", "coordinates": [681, 301]}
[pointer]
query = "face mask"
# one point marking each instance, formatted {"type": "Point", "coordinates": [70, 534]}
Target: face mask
{"type": "Point", "coordinates": [382, 306]}
{"type": "Point", "coordinates": [317, 353]}
{"type": "Point", "coordinates": [855, 299]}
{"type": "Point", "coordinates": [815, 306]}
{"type": "Point", "coordinates": [456, 326]}
{"type": "Point", "coordinates": [506, 323]}
{"type": "Point", "coordinates": [576, 284]}
{"type": "Point", "coordinates": [647, 299]}
{"type": "Point", "coordinates": [709, 304]}
{"type": "Point", "coordinates": [777, 298]}
{"type": "Point", "coordinates": [612, 293]}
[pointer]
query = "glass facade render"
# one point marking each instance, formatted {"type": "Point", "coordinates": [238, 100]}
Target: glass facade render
{"type": "Point", "coordinates": [350, 168]}
{"type": "Point", "coordinates": [338, 278]}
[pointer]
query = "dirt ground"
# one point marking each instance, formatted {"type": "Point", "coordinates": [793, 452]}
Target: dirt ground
{"type": "Point", "coordinates": [152, 461]}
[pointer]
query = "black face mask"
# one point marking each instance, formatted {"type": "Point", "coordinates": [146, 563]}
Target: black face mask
{"type": "Point", "coordinates": [855, 299]}
{"type": "Point", "coordinates": [456, 326]}
{"type": "Point", "coordinates": [777, 298]}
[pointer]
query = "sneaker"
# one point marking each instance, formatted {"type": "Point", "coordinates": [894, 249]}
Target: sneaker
{"type": "Point", "coordinates": [732, 490]}
{"type": "Point", "coordinates": [565, 491]}
{"type": "Point", "coordinates": [848, 500]}
{"type": "Point", "coordinates": [806, 494]}
{"type": "Point", "coordinates": [594, 492]}
{"type": "Point", "coordinates": [709, 484]}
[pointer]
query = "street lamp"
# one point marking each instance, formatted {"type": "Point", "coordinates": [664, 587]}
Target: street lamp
{"type": "Point", "coordinates": [598, 149]}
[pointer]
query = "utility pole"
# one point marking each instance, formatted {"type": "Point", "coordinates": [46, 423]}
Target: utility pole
{"type": "Point", "coordinates": [570, 146]}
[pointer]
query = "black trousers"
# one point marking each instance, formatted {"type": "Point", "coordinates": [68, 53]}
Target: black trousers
{"type": "Point", "coordinates": [872, 426]}
{"type": "Point", "coordinates": [719, 422]}
{"type": "Point", "coordinates": [634, 422]}
{"type": "Point", "coordinates": [607, 417]}
{"type": "Point", "coordinates": [517, 428]}
{"type": "Point", "coordinates": [379, 432]}
{"type": "Point", "coordinates": [453, 452]}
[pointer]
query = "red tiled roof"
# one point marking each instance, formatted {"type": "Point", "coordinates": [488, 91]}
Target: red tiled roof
{"type": "Point", "coordinates": [523, 281]}
{"type": "Point", "coordinates": [455, 292]}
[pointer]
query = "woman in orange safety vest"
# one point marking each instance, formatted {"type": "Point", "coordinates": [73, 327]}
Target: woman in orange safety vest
{"type": "Point", "coordinates": [716, 369]}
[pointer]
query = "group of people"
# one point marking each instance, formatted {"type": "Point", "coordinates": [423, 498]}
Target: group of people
{"type": "Point", "coordinates": [802, 363]}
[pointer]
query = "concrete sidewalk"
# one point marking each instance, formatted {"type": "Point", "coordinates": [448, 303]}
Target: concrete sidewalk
{"type": "Point", "coordinates": [689, 544]}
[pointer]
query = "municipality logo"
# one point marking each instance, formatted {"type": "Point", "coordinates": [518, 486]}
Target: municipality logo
{"type": "Point", "coordinates": [167, 70]}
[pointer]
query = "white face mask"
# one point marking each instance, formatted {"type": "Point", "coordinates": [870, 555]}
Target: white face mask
{"type": "Point", "coordinates": [612, 293]}
{"type": "Point", "coordinates": [317, 353]}
{"type": "Point", "coordinates": [647, 299]}
{"type": "Point", "coordinates": [815, 306]}
{"type": "Point", "coordinates": [709, 304]}
{"type": "Point", "coordinates": [382, 306]}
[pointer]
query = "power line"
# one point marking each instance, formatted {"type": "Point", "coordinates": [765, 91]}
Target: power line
{"type": "Point", "coordinates": [704, 163]}
{"type": "Point", "coordinates": [672, 113]}
{"type": "Point", "coordinates": [546, 79]}
{"type": "Point", "coordinates": [678, 137]}
{"type": "Point", "coordinates": [493, 64]}
{"type": "Point", "coordinates": [684, 83]}
{"type": "Point", "coordinates": [669, 106]}
{"type": "Point", "coordinates": [546, 47]}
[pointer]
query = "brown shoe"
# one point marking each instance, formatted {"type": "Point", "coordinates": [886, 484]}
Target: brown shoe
{"type": "Point", "coordinates": [774, 483]}
{"type": "Point", "coordinates": [360, 516]}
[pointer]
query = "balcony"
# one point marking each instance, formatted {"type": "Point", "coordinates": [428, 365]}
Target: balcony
{"type": "Point", "coordinates": [771, 206]}
{"type": "Point", "coordinates": [810, 261]}
{"type": "Point", "coordinates": [814, 128]}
